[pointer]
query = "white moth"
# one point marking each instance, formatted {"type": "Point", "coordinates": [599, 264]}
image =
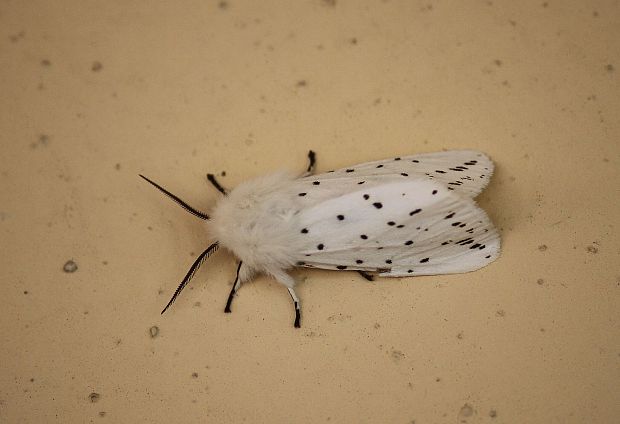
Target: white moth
{"type": "Point", "coordinates": [399, 217]}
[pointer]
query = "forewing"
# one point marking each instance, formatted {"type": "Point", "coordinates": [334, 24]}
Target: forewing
{"type": "Point", "coordinates": [405, 227]}
{"type": "Point", "coordinates": [463, 171]}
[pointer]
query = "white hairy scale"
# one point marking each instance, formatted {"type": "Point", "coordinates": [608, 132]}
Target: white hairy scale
{"type": "Point", "coordinates": [407, 216]}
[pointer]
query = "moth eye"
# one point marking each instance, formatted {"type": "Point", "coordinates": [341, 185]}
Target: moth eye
{"type": "Point", "coordinates": [316, 182]}
{"type": "Point", "coordinates": [340, 217]}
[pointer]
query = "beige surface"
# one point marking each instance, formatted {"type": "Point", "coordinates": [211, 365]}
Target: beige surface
{"type": "Point", "coordinates": [95, 92]}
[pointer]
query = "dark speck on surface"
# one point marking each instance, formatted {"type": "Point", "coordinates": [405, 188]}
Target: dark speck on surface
{"type": "Point", "coordinates": [70, 266]}
{"type": "Point", "coordinates": [16, 37]}
{"type": "Point", "coordinates": [301, 83]}
{"type": "Point", "coordinates": [94, 397]}
{"type": "Point", "coordinates": [46, 62]}
{"type": "Point", "coordinates": [154, 331]}
{"type": "Point", "coordinates": [542, 247]}
{"type": "Point", "coordinates": [96, 66]}
{"type": "Point", "coordinates": [43, 141]}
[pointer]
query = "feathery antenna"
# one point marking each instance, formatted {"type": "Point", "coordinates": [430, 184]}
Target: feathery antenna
{"type": "Point", "coordinates": [176, 199]}
{"type": "Point", "coordinates": [204, 255]}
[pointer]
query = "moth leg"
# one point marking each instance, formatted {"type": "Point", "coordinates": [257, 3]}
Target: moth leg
{"type": "Point", "coordinates": [212, 180]}
{"type": "Point", "coordinates": [311, 164]}
{"type": "Point", "coordinates": [366, 275]}
{"type": "Point", "coordinates": [233, 290]}
{"type": "Point", "coordinates": [297, 307]}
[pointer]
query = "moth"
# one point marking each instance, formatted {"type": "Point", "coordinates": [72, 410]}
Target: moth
{"type": "Point", "coordinates": [398, 217]}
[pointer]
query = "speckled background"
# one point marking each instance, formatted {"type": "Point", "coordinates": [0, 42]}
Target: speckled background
{"type": "Point", "coordinates": [95, 92]}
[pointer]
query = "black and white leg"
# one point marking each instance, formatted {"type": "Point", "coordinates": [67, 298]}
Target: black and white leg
{"type": "Point", "coordinates": [311, 164]}
{"type": "Point", "coordinates": [297, 307]}
{"type": "Point", "coordinates": [233, 290]}
{"type": "Point", "coordinates": [216, 184]}
{"type": "Point", "coordinates": [366, 275]}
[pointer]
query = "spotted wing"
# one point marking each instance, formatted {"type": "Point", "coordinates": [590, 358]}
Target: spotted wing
{"type": "Point", "coordinates": [463, 171]}
{"type": "Point", "coordinates": [405, 227]}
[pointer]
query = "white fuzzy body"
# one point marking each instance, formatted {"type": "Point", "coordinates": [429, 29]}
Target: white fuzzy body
{"type": "Point", "coordinates": [400, 217]}
{"type": "Point", "coordinates": [255, 222]}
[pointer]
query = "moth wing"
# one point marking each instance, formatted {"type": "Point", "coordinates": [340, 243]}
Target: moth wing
{"type": "Point", "coordinates": [463, 171]}
{"type": "Point", "coordinates": [401, 228]}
